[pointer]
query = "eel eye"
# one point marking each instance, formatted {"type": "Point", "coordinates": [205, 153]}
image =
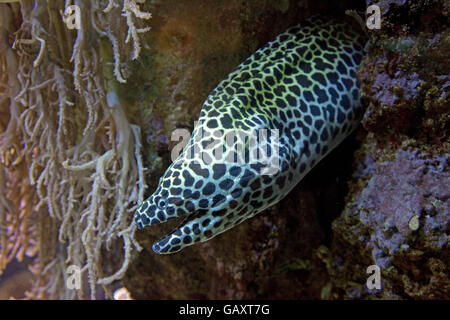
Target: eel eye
{"type": "Point", "coordinates": [161, 203]}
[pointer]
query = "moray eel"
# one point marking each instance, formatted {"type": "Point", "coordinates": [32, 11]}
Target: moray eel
{"type": "Point", "coordinates": [300, 88]}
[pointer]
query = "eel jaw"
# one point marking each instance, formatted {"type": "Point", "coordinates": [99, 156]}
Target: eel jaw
{"type": "Point", "coordinates": [200, 226]}
{"type": "Point", "coordinates": [186, 234]}
{"type": "Point", "coordinates": [177, 239]}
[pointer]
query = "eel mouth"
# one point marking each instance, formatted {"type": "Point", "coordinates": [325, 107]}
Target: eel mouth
{"type": "Point", "coordinates": [185, 234]}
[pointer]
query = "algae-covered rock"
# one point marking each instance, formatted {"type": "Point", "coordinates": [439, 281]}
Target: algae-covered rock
{"type": "Point", "coordinates": [397, 212]}
{"type": "Point", "coordinates": [398, 221]}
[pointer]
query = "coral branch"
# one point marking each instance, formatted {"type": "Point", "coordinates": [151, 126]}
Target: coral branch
{"type": "Point", "coordinates": [71, 160]}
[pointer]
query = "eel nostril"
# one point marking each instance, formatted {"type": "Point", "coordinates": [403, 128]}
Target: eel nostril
{"type": "Point", "coordinates": [161, 203]}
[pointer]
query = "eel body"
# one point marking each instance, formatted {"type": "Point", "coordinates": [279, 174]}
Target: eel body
{"type": "Point", "coordinates": [300, 91]}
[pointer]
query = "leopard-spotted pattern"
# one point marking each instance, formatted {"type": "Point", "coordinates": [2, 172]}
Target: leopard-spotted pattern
{"type": "Point", "coordinates": [302, 84]}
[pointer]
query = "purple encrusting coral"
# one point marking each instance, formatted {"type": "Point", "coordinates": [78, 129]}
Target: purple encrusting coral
{"type": "Point", "coordinates": [409, 186]}
{"type": "Point", "coordinates": [384, 85]}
